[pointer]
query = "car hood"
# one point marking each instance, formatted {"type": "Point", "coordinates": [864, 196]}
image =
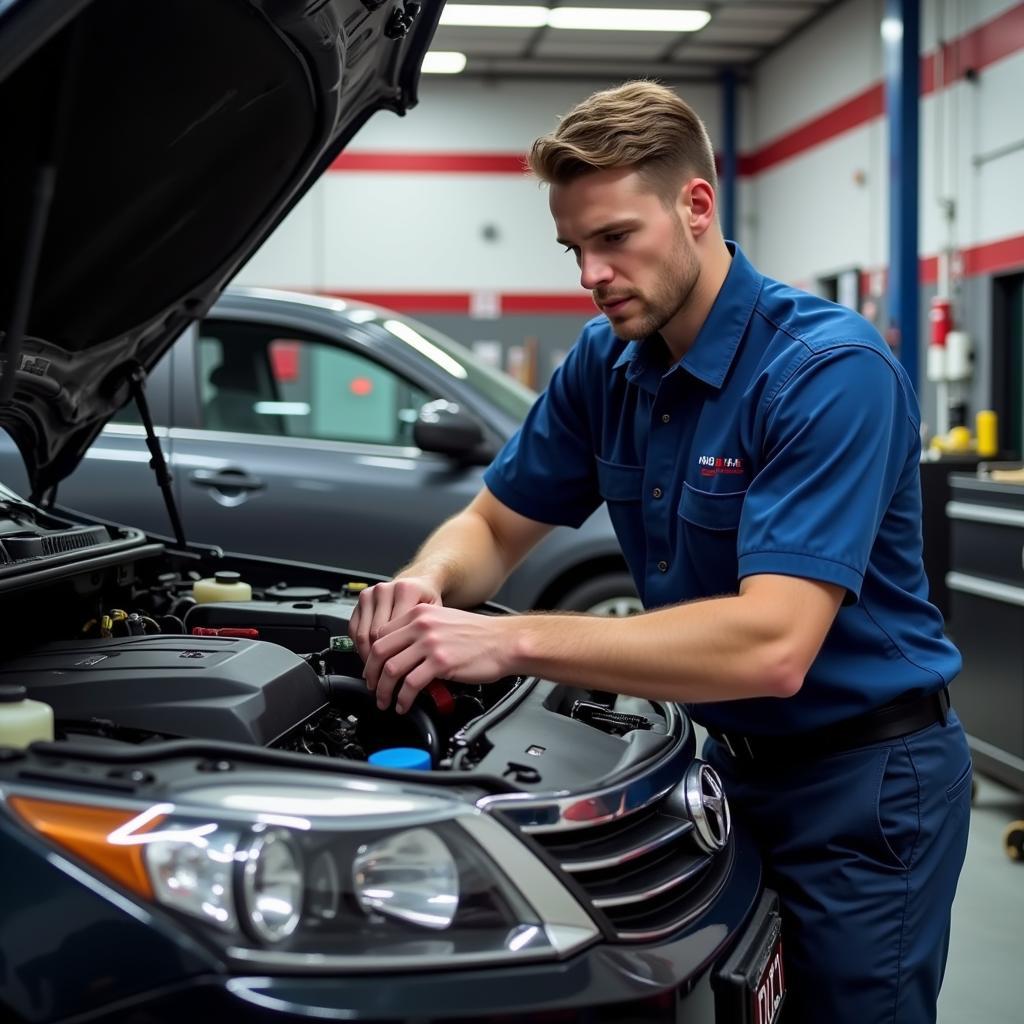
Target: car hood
{"type": "Point", "coordinates": [148, 150]}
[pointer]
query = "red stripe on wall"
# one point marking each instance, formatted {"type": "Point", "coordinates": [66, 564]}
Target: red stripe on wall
{"type": "Point", "coordinates": [431, 163]}
{"type": "Point", "coordinates": [975, 50]}
{"type": "Point", "coordinates": [409, 302]}
{"type": "Point", "coordinates": [993, 41]}
{"type": "Point", "coordinates": [858, 110]}
{"type": "Point", "coordinates": [571, 302]}
{"type": "Point", "coordinates": [989, 258]}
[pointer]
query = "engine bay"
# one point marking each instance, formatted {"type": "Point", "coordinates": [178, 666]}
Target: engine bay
{"type": "Point", "coordinates": [130, 650]}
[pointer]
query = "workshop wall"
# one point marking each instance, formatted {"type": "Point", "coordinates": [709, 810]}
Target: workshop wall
{"type": "Point", "coordinates": [468, 245]}
{"type": "Point", "coordinates": [431, 214]}
{"type": "Point", "coordinates": [818, 169]}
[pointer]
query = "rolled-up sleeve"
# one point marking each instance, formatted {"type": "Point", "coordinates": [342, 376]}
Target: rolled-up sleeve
{"type": "Point", "coordinates": [546, 469]}
{"type": "Point", "coordinates": [837, 438]}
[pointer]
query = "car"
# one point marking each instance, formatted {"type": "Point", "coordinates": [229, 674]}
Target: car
{"type": "Point", "coordinates": [203, 815]}
{"type": "Point", "coordinates": [318, 429]}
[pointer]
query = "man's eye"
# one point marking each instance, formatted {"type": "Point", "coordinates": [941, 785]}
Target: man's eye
{"type": "Point", "coordinates": [616, 237]}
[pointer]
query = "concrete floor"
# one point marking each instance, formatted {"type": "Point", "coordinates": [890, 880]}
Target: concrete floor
{"type": "Point", "coordinates": [985, 973]}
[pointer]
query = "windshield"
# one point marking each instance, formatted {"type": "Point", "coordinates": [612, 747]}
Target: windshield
{"type": "Point", "coordinates": [499, 388]}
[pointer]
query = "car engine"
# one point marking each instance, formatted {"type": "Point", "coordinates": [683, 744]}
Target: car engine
{"type": "Point", "coordinates": [116, 636]}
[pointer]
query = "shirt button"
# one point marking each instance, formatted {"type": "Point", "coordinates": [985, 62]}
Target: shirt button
{"type": "Point", "coordinates": [656, 493]}
{"type": "Point", "coordinates": [663, 567]}
{"type": "Point", "coordinates": [665, 417]}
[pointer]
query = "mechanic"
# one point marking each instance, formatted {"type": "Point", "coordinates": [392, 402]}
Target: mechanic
{"type": "Point", "coordinates": [757, 448]}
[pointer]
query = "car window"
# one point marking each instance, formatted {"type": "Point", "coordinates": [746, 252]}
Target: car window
{"type": "Point", "coordinates": [256, 379]}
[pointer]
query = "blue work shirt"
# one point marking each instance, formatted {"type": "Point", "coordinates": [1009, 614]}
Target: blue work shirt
{"type": "Point", "coordinates": [785, 441]}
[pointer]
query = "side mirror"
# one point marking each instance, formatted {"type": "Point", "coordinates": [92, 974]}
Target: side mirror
{"type": "Point", "coordinates": [444, 428]}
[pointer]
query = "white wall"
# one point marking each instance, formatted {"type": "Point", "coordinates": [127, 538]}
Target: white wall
{"type": "Point", "coordinates": [399, 233]}
{"type": "Point", "coordinates": [811, 214]}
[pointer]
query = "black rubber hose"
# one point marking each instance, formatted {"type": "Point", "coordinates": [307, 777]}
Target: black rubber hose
{"type": "Point", "coordinates": [417, 717]}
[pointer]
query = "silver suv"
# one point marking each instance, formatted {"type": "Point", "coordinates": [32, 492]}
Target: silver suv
{"type": "Point", "coordinates": [321, 430]}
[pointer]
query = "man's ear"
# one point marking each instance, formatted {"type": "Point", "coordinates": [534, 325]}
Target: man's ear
{"type": "Point", "coordinates": [699, 205]}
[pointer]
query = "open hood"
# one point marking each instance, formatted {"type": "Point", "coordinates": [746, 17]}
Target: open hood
{"type": "Point", "coordinates": [149, 148]}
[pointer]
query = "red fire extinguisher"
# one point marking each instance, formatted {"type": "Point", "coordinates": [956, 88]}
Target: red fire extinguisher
{"type": "Point", "coordinates": [941, 317]}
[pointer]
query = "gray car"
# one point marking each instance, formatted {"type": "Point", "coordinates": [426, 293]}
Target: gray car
{"type": "Point", "coordinates": [321, 430]}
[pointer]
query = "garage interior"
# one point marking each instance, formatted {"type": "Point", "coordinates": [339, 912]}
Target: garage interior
{"type": "Point", "coordinates": [793, 94]}
{"type": "Point", "coordinates": [870, 152]}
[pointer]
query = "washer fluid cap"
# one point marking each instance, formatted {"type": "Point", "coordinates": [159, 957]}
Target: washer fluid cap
{"type": "Point", "coordinates": [409, 758]}
{"type": "Point", "coordinates": [226, 576]}
{"type": "Point", "coordinates": [11, 692]}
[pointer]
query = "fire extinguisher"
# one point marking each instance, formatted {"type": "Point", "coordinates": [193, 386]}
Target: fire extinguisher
{"type": "Point", "coordinates": [941, 316]}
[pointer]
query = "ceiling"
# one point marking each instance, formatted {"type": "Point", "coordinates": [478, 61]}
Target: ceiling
{"type": "Point", "coordinates": [739, 34]}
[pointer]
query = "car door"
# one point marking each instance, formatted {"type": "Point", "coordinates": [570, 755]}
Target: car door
{"type": "Point", "coordinates": [114, 480]}
{"type": "Point", "coordinates": [297, 445]}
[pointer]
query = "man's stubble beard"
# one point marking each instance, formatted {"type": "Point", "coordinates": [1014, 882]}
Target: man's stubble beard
{"type": "Point", "coordinates": [673, 290]}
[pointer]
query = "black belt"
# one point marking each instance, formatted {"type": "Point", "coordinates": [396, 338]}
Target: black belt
{"type": "Point", "coordinates": [889, 722]}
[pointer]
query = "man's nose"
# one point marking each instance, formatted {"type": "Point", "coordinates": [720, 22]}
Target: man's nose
{"type": "Point", "coordinates": [594, 272]}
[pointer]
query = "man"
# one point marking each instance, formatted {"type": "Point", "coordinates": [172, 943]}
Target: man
{"type": "Point", "coordinates": [758, 451]}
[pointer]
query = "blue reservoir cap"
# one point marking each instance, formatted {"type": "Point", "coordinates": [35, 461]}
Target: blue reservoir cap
{"type": "Point", "coordinates": [410, 758]}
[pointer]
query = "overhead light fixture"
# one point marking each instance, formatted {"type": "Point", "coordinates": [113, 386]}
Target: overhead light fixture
{"type": "Point", "coordinates": [443, 62]}
{"type": "Point", "coordinates": [621, 19]}
{"type": "Point", "coordinates": [493, 16]}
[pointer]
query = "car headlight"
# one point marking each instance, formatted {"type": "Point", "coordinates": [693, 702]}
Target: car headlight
{"type": "Point", "coordinates": [367, 875]}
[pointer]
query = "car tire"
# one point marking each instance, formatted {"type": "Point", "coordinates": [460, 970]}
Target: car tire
{"type": "Point", "coordinates": [612, 594]}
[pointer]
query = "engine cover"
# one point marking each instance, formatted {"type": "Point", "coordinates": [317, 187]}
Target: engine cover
{"type": "Point", "coordinates": [243, 691]}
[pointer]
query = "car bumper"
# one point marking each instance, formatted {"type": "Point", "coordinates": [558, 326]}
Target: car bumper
{"type": "Point", "coordinates": [675, 981]}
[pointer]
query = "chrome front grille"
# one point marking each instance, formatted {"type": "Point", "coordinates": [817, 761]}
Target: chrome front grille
{"type": "Point", "coordinates": [648, 853]}
{"type": "Point", "coordinates": [644, 872]}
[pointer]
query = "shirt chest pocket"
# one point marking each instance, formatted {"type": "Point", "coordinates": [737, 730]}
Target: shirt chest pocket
{"type": "Point", "coordinates": [621, 486]}
{"type": "Point", "coordinates": [709, 523]}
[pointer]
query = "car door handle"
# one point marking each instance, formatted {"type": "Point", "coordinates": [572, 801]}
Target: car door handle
{"type": "Point", "coordinates": [226, 480]}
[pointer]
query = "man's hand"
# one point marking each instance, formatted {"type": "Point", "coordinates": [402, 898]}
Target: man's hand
{"type": "Point", "coordinates": [384, 602]}
{"type": "Point", "coordinates": [429, 642]}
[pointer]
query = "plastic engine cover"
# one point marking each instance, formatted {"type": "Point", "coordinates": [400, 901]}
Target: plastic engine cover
{"type": "Point", "coordinates": [243, 691]}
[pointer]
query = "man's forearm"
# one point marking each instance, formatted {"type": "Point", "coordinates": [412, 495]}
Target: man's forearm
{"type": "Point", "coordinates": [463, 560]}
{"type": "Point", "coordinates": [721, 649]}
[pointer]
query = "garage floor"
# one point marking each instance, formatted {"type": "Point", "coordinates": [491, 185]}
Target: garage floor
{"type": "Point", "coordinates": [984, 980]}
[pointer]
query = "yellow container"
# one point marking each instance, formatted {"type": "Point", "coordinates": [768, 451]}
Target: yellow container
{"type": "Point", "coordinates": [986, 427]}
{"type": "Point", "coordinates": [958, 440]}
{"type": "Point", "coordinates": [222, 586]}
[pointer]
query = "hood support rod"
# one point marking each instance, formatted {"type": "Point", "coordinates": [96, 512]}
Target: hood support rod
{"type": "Point", "coordinates": [157, 462]}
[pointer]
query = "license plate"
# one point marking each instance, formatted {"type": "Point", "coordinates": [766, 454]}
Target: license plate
{"type": "Point", "coordinates": [750, 986]}
{"type": "Point", "coordinates": [770, 989]}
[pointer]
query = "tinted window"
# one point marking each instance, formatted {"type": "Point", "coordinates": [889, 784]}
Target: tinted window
{"type": "Point", "coordinates": [255, 379]}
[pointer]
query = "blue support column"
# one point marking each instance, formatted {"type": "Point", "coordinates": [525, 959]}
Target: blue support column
{"type": "Point", "coordinates": [727, 180]}
{"type": "Point", "coordinates": [901, 34]}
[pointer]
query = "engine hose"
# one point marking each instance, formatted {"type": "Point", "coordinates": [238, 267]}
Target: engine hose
{"type": "Point", "coordinates": [418, 718]}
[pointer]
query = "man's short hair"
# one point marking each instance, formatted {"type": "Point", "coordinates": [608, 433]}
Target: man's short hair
{"type": "Point", "coordinates": [639, 125]}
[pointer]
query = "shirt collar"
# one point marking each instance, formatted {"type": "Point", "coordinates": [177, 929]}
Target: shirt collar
{"type": "Point", "coordinates": [714, 349]}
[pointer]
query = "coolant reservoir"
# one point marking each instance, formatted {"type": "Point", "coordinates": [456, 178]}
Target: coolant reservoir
{"type": "Point", "coordinates": [23, 721]}
{"type": "Point", "coordinates": [223, 586]}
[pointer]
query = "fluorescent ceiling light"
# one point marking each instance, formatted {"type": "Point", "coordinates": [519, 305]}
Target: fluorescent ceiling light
{"type": "Point", "coordinates": [493, 16]}
{"type": "Point", "coordinates": [443, 62]}
{"type": "Point", "coordinates": [621, 19]}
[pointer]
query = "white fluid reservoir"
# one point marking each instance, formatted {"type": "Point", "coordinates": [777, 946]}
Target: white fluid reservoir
{"type": "Point", "coordinates": [222, 586]}
{"type": "Point", "coordinates": [23, 721]}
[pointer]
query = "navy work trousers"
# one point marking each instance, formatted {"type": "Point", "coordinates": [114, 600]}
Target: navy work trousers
{"type": "Point", "coordinates": [864, 848]}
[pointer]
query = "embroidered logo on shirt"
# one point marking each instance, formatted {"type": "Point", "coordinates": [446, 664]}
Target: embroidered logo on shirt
{"type": "Point", "coordinates": [714, 465]}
